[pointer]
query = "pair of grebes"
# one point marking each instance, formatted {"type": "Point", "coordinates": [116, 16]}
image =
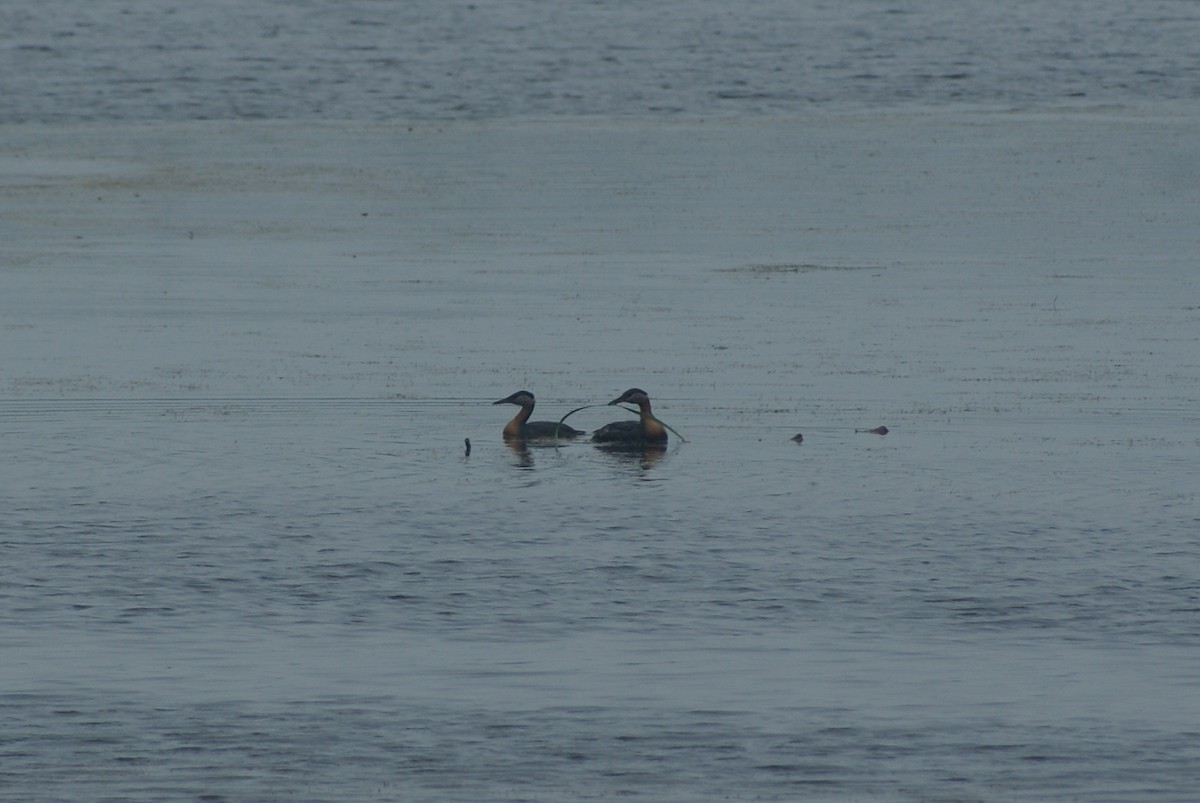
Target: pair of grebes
{"type": "Point", "coordinates": [646, 430]}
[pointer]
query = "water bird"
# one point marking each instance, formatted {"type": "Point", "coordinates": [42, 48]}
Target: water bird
{"type": "Point", "coordinates": [521, 428]}
{"type": "Point", "coordinates": [876, 431]}
{"type": "Point", "coordinates": [798, 437]}
{"type": "Point", "coordinates": [646, 430]}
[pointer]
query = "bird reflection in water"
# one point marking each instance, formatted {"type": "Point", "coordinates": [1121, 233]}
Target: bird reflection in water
{"type": "Point", "coordinates": [520, 449]}
{"type": "Point", "coordinates": [645, 455]}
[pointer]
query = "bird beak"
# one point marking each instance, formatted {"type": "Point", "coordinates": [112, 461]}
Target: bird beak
{"type": "Point", "coordinates": [617, 400]}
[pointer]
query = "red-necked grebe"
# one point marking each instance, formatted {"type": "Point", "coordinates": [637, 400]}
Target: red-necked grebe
{"type": "Point", "coordinates": [647, 429]}
{"type": "Point", "coordinates": [521, 428]}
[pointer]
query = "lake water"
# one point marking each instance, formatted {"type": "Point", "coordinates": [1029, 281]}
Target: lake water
{"type": "Point", "coordinates": [246, 556]}
{"type": "Point", "coordinates": [65, 61]}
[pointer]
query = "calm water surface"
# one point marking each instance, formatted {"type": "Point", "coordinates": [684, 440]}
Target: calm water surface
{"type": "Point", "coordinates": [245, 556]}
{"type": "Point", "coordinates": [325, 599]}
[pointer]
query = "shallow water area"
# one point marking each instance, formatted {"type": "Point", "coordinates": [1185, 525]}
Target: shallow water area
{"type": "Point", "coordinates": [247, 555]}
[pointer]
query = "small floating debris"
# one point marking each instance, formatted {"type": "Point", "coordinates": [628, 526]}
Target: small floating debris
{"type": "Point", "coordinates": [467, 441]}
{"type": "Point", "coordinates": [876, 431]}
{"type": "Point", "coordinates": [798, 437]}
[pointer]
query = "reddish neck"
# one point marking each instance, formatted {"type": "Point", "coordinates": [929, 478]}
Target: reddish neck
{"type": "Point", "coordinates": [514, 427]}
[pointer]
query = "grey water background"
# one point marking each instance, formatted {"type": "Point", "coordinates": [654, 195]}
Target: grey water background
{"type": "Point", "coordinates": [264, 266]}
{"type": "Point", "coordinates": [67, 61]}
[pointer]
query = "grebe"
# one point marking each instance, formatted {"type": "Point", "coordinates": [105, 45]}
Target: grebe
{"type": "Point", "coordinates": [521, 428]}
{"type": "Point", "coordinates": [646, 430]}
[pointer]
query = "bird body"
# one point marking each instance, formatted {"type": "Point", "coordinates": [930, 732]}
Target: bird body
{"type": "Point", "coordinates": [646, 430]}
{"type": "Point", "coordinates": [521, 428]}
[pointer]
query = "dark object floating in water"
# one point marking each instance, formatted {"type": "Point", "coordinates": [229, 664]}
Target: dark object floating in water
{"type": "Point", "coordinates": [467, 441]}
{"type": "Point", "coordinates": [876, 431]}
{"type": "Point", "coordinates": [793, 267]}
{"type": "Point", "coordinates": [646, 430]}
{"type": "Point", "coordinates": [521, 428]}
{"type": "Point", "coordinates": [798, 437]}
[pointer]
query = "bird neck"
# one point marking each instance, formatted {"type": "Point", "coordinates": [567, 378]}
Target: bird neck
{"type": "Point", "coordinates": [513, 428]}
